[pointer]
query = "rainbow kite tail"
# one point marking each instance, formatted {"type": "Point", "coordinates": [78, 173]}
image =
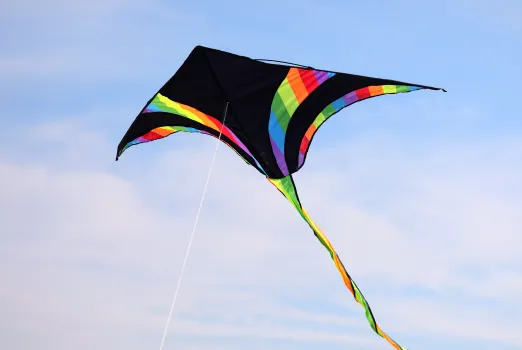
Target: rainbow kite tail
{"type": "Point", "coordinates": [287, 187]}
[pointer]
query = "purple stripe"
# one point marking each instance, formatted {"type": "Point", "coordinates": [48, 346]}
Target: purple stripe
{"type": "Point", "coordinates": [151, 108]}
{"type": "Point", "coordinates": [350, 98]}
{"type": "Point", "coordinates": [280, 158]}
{"type": "Point", "coordinates": [239, 143]}
{"type": "Point", "coordinates": [300, 160]}
{"type": "Point", "coordinates": [320, 76]}
{"type": "Point", "coordinates": [234, 139]}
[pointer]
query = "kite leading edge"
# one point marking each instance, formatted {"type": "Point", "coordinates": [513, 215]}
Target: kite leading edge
{"type": "Point", "coordinates": [273, 113]}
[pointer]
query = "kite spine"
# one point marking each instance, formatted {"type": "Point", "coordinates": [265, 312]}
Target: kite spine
{"type": "Point", "coordinates": [287, 187]}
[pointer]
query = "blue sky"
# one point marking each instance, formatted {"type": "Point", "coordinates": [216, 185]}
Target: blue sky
{"type": "Point", "coordinates": [420, 193]}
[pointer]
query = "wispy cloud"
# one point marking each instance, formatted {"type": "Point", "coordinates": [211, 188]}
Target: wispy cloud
{"type": "Point", "coordinates": [419, 193]}
{"type": "Point", "coordinates": [99, 251]}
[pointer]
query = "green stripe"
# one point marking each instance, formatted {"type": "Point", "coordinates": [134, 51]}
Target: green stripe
{"type": "Point", "coordinates": [281, 112]}
{"type": "Point", "coordinates": [403, 88]}
{"type": "Point", "coordinates": [288, 96]}
{"type": "Point", "coordinates": [287, 188]}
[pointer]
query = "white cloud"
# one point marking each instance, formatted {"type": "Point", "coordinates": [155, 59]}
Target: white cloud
{"type": "Point", "coordinates": [91, 258]}
{"type": "Point", "coordinates": [458, 320]}
{"type": "Point", "coordinates": [87, 252]}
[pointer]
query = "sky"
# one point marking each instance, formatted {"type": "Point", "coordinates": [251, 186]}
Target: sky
{"type": "Point", "coordinates": [420, 193]}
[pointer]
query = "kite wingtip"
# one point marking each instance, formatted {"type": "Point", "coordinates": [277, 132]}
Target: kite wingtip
{"type": "Point", "coordinates": [119, 152]}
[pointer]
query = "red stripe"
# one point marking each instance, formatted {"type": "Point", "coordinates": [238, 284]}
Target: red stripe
{"type": "Point", "coordinates": [304, 145]}
{"type": "Point", "coordinates": [309, 80]}
{"type": "Point", "coordinates": [363, 93]}
{"type": "Point", "coordinates": [151, 136]}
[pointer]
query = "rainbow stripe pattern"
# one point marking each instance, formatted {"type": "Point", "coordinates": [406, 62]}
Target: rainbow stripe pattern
{"type": "Point", "coordinates": [287, 187]}
{"type": "Point", "coordinates": [158, 133]}
{"type": "Point", "coordinates": [295, 88]}
{"type": "Point", "coordinates": [162, 103]}
{"type": "Point", "coordinates": [346, 100]}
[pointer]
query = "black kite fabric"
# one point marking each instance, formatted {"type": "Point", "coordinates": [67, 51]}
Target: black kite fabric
{"type": "Point", "coordinates": [268, 113]}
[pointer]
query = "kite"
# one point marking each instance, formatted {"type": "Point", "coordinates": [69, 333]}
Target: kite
{"type": "Point", "coordinates": [266, 111]}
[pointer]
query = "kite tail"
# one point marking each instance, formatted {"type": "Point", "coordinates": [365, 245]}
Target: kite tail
{"type": "Point", "coordinates": [287, 187]}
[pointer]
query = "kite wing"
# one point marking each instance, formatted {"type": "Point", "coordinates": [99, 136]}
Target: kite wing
{"type": "Point", "coordinates": [163, 117]}
{"type": "Point", "coordinates": [273, 110]}
{"type": "Point", "coordinates": [267, 113]}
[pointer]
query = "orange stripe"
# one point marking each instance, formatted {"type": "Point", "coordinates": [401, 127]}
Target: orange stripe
{"type": "Point", "coordinates": [343, 274]}
{"type": "Point", "coordinates": [298, 87]}
{"type": "Point", "coordinates": [163, 131]}
{"type": "Point", "coordinates": [310, 131]}
{"type": "Point", "coordinates": [204, 118]}
{"type": "Point", "coordinates": [307, 137]}
{"type": "Point", "coordinates": [376, 90]}
{"type": "Point", "coordinates": [385, 336]}
{"type": "Point", "coordinates": [209, 121]}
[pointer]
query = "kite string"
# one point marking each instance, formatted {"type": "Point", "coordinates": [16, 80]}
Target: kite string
{"type": "Point", "coordinates": [193, 231]}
